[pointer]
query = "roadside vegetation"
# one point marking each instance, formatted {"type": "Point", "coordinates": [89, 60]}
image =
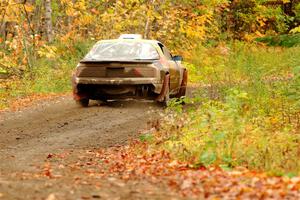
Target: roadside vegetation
{"type": "Point", "coordinates": [242, 56]}
{"type": "Point", "coordinates": [245, 110]}
{"type": "Point", "coordinates": [50, 72]}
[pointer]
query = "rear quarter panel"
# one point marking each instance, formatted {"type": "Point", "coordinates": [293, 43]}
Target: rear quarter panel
{"type": "Point", "coordinates": [175, 69]}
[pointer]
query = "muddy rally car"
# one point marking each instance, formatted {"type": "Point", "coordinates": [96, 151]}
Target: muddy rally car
{"type": "Point", "coordinates": [129, 67]}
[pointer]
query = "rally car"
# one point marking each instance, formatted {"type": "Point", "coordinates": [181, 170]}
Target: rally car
{"type": "Point", "coordinates": [129, 67]}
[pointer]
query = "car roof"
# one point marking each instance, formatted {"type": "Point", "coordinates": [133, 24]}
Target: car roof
{"type": "Point", "coordinates": [130, 40]}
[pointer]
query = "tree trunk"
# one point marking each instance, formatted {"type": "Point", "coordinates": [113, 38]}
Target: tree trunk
{"type": "Point", "coordinates": [3, 30]}
{"type": "Point", "coordinates": [70, 19]}
{"type": "Point", "coordinates": [48, 20]}
{"type": "Point", "coordinates": [3, 22]}
{"type": "Point", "coordinates": [147, 25]}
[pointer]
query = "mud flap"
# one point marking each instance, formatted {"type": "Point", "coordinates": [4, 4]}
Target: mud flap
{"type": "Point", "coordinates": [76, 95]}
{"type": "Point", "coordinates": [164, 89]}
{"type": "Point", "coordinates": [183, 86]}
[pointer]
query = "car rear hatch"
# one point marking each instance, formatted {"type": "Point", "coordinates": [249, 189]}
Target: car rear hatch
{"type": "Point", "coordinates": [117, 69]}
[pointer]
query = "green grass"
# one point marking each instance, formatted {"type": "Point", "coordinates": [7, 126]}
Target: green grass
{"type": "Point", "coordinates": [281, 40]}
{"type": "Point", "coordinates": [247, 114]}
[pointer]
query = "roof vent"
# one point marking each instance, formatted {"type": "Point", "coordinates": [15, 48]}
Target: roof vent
{"type": "Point", "coordinates": [131, 36]}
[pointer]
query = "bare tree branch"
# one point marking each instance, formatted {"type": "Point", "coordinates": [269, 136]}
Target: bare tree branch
{"type": "Point", "coordinates": [29, 24]}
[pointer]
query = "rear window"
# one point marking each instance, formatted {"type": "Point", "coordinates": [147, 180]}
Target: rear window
{"type": "Point", "coordinates": [122, 51]}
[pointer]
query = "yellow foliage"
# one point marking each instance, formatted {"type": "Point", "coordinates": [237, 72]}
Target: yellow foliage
{"type": "Point", "coordinates": [295, 30]}
{"type": "Point", "coordinates": [47, 51]}
{"type": "Point", "coordinates": [70, 11]}
{"type": "Point", "coordinates": [29, 8]}
{"type": "Point", "coordinates": [261, 20]}
{"type": "Point", "coordinates": [85, 20]}
{"type": "Point", "coordinates": [80, 5]}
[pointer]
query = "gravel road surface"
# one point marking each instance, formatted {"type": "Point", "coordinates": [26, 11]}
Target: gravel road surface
{"type": "Point", "coordinates": [29, 136]}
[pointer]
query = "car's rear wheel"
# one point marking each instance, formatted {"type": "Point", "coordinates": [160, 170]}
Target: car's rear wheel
{"type": "Point", "coordinates": [83, 102]}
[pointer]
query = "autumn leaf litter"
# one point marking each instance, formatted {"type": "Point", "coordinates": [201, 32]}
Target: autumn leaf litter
{"type": "Point", "coordinates": [135, 162]}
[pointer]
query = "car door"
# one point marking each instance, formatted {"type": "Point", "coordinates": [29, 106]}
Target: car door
{"type": "Point", "coordinates": [174, 70]}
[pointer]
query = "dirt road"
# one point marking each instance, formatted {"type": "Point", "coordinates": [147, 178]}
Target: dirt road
{"type": "Point", "coordinates": [55, 150]}
{"type": "Point", "coordinates": [29, 136]}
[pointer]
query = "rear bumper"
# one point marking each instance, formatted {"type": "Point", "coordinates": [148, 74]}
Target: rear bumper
{"type": "Point", "coordinates": [117, 81]}
{"type": "Point", "coordinates": [157, 83]}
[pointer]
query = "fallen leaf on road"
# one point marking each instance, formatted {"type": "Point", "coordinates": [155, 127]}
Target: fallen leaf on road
{"type": "Point", "coordinates": [138, 163]}
{"type": "Point", "coordinates": [47, 170]}
{"type": "Point", "coordinates": [50, 156]}
{"type": "Point", "coordinates": [51, 197]}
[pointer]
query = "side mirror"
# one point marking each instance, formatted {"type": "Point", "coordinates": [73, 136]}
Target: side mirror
{"type": "Point", "coordinates": [178, 58]}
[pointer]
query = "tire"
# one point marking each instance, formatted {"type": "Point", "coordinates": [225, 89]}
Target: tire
{"type": "Point", "coordinates": [183, 86]}
{"type": "Point", "coordinates": [83, 102]}
{"type": "Point", "coordinates": [103, 100]}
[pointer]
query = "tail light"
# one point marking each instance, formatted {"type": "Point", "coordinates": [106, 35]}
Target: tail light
{"type": "Point", "coordinates": [137, 72]}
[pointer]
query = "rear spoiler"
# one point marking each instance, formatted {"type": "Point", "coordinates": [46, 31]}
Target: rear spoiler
{"type": "Point", "coordinates": [118, 61]}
